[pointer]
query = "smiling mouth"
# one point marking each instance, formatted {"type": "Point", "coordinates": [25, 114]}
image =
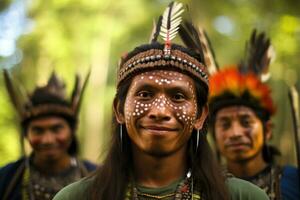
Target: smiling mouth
{"type": "Point", "coordinates": [237, 145]}
{"type": "Point", "coordinates": [159, 129]}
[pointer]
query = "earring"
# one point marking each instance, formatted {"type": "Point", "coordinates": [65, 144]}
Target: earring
{"type": "Point", "coordinates": [197, 141]}
{"type": "Point", "coordinates": [121, 136]}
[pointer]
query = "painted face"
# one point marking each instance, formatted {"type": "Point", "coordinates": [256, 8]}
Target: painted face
{"type": "Point", "coordinates": [49, 137]}
{"type": "Point", "coordinates": [239, 133]}
{"type": "Point", "coordinates": [160, 111]}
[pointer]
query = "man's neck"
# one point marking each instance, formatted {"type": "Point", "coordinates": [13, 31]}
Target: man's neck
{"type": "Point", "coordinates": [153, 171]}
{"type": "Point", "coordinates": [246, 168]}
{"type": "Point", "coordinates": [52, 166]}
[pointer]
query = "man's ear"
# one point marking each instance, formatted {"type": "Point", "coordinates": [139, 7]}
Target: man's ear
{"type": "Point", "coordinates": [201, 118]}
{"type": "Point", "coordinates": [268, 130]}
{"type": "Point", "coordinates": [118, 111]}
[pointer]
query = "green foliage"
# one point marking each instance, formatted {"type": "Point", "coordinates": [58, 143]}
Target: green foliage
{"type": "Point", "coordinates": [9, 143]}
{"type": "Point", "coordinates": [4, 4]}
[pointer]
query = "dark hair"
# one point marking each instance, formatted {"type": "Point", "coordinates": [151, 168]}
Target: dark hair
{"type": "Point", "coordinates": [40, 97]}
{"type": "Point", "coordinates": [111, 179]}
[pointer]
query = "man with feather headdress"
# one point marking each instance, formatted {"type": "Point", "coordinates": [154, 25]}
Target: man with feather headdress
{"type": "Point", "coordinates": [240, 110]}
{"type": "Point", "coordinates": [48, 122]}
{"type": "Point", "coordinates": [159, 148]}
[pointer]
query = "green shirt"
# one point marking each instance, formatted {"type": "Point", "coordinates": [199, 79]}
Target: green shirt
{"type": "Point", "coordinates": [238, 188]}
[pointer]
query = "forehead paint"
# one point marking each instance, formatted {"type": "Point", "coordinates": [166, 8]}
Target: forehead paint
{"type": "Point", "coordinates": [182, 111]}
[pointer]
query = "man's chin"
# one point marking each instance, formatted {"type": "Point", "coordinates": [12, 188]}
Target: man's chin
{"type": "Point", "coordinates": [241, 158]}
{"type": "Point", "coordinates": [49, 157]}
{"type": "Point", "coordinates": [159, 151]}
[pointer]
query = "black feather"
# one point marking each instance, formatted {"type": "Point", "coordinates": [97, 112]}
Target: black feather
{"type": "Point", "coordinates": [157, 30]}
{"type": "Point", "coordinates": [256, 58]}
{"type": "Point", "coordinates": [212, 50]}
{"type": "Point", "coordinates": [12, 93]}
{"type": "Point", "coordinates": [169, 16]}
{"type": "Point", "coordinates": [190, 38]}
{"type": "Point", "coordinates": [79, 98]}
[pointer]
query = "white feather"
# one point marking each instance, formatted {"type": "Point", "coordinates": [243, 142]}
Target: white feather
{"type": "Point", "coordinates": [175, 20]}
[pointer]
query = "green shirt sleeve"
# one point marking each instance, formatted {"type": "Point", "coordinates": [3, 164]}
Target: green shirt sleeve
{"type": "Point", "coordinates": [244, 190]}
{"type": "Point", "coordinates": [74, 191]}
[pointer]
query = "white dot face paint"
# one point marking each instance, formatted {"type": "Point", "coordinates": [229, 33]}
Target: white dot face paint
{"type": "Point", "coordinates": [160, 110]}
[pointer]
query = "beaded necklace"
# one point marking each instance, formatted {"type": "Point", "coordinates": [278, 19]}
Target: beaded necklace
{"type": "Point", "coordinates": [36, 186]}
{"type": "Point", "coordinates": [269, 181]}
{"type": "Point", "coordinates": [184, 191]}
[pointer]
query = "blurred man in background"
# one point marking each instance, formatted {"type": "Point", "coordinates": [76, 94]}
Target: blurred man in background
{"type": "Point", "coordinates": [48, 122]}
{"type": "Point", "coordinates": [241, 107]}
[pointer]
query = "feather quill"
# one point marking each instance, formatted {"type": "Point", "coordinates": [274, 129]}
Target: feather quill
{"type": "Point", "coordinates": [171, 20]}
{"type": "Point", "coordinates": [209, 55]}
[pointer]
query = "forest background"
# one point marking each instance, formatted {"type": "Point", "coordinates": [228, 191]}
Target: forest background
{"type": "Point", "coordinates": [70, 36]}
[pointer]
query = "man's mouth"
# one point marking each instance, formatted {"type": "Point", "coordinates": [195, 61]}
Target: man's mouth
{"type": "Point", "coordinates": [237, 145]}
{"type": "Point", "coordinates": [48, 147]}
{"type": "Point", "coordinates": [159, 129]}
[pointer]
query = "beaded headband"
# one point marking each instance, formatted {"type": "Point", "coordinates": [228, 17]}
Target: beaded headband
{"type": "Point", "coordinates": [154, 58]}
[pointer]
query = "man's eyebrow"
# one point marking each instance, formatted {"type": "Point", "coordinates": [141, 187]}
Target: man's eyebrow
{"type": "Point", "coordinates": [144, 85]}
{"type": "Point", "coordinates": [179, 87]}
{"type": "Point", "coordinates": [48, 126]}
{"type": "Point", "coordinates": [56, 125]}
{"type": "Point", "coordinates": [244, 114]}
{"type": "Point", "coordinates": [223, 117]}
{"type": "Point", "coordinates": [36, 127]}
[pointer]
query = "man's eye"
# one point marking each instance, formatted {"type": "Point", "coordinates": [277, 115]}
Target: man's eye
{"type": "Point", "coordinates": [37, 131]}
{"type": "Point", "coordinates": [246, 122]}
{"type": "Point", "coordinates": [179, 97]}
{"type": "Point", "coordinates": [225, 125]}
{"type": "Point", "coordinates": [56, 129]}
{"type": "Point", "coordinates": [144, 94]}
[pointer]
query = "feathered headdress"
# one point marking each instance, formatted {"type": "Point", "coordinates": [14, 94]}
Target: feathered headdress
{"type": "Point", "coordinates": [188, 58]}
{"type": "Point", "coordinates": [46, 100]}
{"type": "Point", "coordinates": [243, 84]}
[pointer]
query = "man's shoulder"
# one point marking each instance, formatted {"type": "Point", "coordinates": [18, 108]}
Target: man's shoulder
{"type": "Point", "coordinates": [10, 168]}
{"type": "Point", "coordinates": [289, 183]}
{"type": "Point", "coordinates": [10, 177]}
{"type": "Point", "coordinates": [241, 189]}
{"type": "Point", "coordinates": [90, 166]}
{"type": "Point", "coordinates": [77, 190]}
{"type": "Point", "coordinates": [289, 170]}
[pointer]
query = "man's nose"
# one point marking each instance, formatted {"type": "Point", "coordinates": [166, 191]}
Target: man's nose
{"type": "Point", "coordinates": [236, 130]}
{"type": "Point", "coordinates": [160, 111]}
{"type": "Point", "coordinates": [48, 137]}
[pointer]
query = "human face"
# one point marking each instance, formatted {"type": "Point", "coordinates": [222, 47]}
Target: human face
{"type": "Point", "coordinates": [239, 133]}
{"type": "Point", "coordinates": [49, 137]}
{"type": "Point", "coordinates": [160, 111]}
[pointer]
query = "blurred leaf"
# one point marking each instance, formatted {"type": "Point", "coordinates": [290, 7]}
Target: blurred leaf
{"type": "Point", "coordinates": [4, 4]}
